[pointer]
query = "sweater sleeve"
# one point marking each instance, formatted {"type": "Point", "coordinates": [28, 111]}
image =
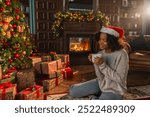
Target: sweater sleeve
{"type": "Point", "coordinates": [121, 70]}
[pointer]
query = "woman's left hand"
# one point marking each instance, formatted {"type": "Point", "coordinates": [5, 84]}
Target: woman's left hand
{"type": "Point", "coordinates": [98, 61]}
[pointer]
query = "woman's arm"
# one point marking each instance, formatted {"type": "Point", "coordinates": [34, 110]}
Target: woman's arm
{"type": "Point", "coordinates": [120, 72]}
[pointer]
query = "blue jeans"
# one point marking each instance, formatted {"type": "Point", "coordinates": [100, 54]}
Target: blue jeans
{"type": "Point", "coordinates": [91, 87]}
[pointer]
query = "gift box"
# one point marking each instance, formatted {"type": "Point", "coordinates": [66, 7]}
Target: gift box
{"type": "Point", "coordinates": [55, 74]}
{"type": "Point", "coordinates": [35, 60]}
{"type": "Point", "coordinates": [46, 58]}
{"type": "Point", "coordinates": [31, 93]}
{"type": "Point", "coordinates": [67, 73]}
{"type": "Point", "coordinates": [46, 67]}
{"type": "Point", "coordinates": [25, 78]}
{"type": "Point", "coordinates": [65, 60]}
{"type": "Point", "coordinates": [9, 77]}
{"type": "Point", "coordinates": [59, 64]}
{"type": "Point", "coordinates": [7, 91]}
{"type": "Point", "coordinates": [52, 83]}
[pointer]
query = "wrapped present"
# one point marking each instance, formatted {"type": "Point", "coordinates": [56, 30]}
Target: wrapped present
{"type": "Point", "coordinates": [65, 60]}
{"type": "Point", "coordinates": [7, 91]}
{"type": "Point", "coordinates": [52, 83]}
{"type": "Point", "coordinates": [59, 64]}
{"type": "Point", "coordinates": [9, 77]}
{"type": "Point", "coordinates": [35, 60]}
{"type": "Point", "coordinates": [67, 73]}
{"type": "Point", "coordinates": [55, 74]}
{"type": "Point", "coordinates": [25, 78]}
{"type": "Point", "coordinates": [46, 58]}
{"type": "Point", "coordinates": [34, 92]}
{"type": "Point", "coordinates": [46, 67]}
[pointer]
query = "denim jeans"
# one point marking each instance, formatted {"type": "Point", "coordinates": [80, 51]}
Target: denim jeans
{"type": "Point", "coordinates": [91, 87]}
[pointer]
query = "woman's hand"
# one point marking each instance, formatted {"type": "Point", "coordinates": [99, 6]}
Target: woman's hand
{"type": "Point", "coordinates": [98, 60]}
{"type": "Point", "coordinates": [90, 57]}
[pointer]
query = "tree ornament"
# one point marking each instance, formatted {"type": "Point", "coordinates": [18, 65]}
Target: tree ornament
{"type": "Point", "coordinates": [7, 2]}
{"type": "Point", "coordinates": [17, 17]}
{"type": "Point", "coordinates": [16, 55]}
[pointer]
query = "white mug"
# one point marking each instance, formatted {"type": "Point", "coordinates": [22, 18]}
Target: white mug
{"type": "Point", "coordinates": [95, 55]}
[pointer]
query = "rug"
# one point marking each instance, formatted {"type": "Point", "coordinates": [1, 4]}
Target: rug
{"type": "Point", "coordinates": [133, 93]}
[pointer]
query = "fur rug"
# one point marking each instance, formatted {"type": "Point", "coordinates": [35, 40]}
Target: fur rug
{"type": "Point", "coordinates": [132, 93]}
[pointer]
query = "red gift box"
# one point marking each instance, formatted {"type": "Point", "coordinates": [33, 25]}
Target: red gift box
{"type": "Point", "coordinates": [7, 91]}
{"type": "Point", "coordinates": [67, 73]}
{"type": "Point", "coordinates": [32, 93]}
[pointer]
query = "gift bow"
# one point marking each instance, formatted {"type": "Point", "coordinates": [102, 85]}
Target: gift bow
{"type": "Point", "coordinates": [30, 89]}
{"type": "Point", "coordinates": [3, 87]}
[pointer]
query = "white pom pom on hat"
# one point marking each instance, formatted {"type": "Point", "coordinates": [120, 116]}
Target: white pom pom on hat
{"type": "Point", "coordinates": [113, 30]}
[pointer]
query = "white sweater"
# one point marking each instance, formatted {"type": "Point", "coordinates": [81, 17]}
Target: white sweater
{"type": "Point", "coordinates": [112, 74]}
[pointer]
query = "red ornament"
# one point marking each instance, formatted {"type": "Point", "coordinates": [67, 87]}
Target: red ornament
{"type": "Point", "coordinates": [8, 2]}
{"type": "Point", "coordinates": [1, 9]}
{"type": "Point", "coordinates": [17, 49]}
{"type": "Point", "coordinates": [17, 10]}
{"type": "Point", "coordinates": [14, 26]}
{"type": "Point", "coordinates": [10, 60]}
{"type": "Point", "coordinates": [16, 55]}
{"type": "Point", "coordinates": [17, 17]}
{"type": "Point", "coordinates": [12, 33]}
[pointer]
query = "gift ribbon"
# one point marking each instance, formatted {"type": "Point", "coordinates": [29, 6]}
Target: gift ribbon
{"type": "Point", "coordinates": [68, 62]}
{"type": "Point", "coordinates": [56, 81]}
{"type": "Point", "coordinates": [3, 87]}
{"type": "Point", "coordinates": [30, 89]}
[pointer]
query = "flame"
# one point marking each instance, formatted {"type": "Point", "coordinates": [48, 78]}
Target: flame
{"type": "Point", "coordinates": [79, 47]}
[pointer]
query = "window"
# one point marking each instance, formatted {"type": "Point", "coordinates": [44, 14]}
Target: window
{"type": "Point", "coordinates": [82, 5]}
{"type": "Point", "coordinates": [125, 3]}
{"type": "Point", "coordinates": [125, 15]}
{"type": "Point", "coordinates": [134, 4]}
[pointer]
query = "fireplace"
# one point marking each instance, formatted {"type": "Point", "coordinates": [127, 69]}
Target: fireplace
{"type": "Point", "coordinates": [79, 44]}
{"type": "Point", "coordinates": [79, 41]}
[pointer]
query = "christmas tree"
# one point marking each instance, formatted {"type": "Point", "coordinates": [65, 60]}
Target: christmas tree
{"type": "Point", "coordinates": [15, 43]}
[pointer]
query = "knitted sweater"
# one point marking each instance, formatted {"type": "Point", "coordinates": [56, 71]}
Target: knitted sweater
{"type": "Point", "coordinates": [112, 74]}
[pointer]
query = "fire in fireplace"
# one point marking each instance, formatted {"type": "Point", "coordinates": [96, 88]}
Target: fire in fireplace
{"type": "Point", "coordinates": [79, 44]}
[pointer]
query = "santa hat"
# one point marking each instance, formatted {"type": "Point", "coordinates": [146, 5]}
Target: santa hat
{"type": "Point", "coordinates": [113, 30]}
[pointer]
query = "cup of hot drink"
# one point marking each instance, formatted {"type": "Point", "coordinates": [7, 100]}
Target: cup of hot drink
{"type": "Point", "coordinates": [95, 55]}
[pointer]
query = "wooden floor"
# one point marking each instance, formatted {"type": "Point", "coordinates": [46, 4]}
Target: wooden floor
{"type": "Point", "coordinates": [85, 73]}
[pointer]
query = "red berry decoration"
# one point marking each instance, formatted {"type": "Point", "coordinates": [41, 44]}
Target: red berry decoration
{"type": "Point", "coordinates": [17, 17]}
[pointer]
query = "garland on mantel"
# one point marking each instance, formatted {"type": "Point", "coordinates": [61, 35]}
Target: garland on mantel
{"type": "Point", "coordinates": [77, 16]}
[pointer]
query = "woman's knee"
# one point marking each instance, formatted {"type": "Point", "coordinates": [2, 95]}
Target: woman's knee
{"type": "Point", "coordinates": [72, 91]}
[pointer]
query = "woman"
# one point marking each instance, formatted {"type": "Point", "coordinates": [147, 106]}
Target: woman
{"type": "Point", "coordinates": [111, 69]}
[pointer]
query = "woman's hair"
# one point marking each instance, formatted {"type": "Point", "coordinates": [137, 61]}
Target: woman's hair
{"type": "Point", "coordinates": [113, 42]}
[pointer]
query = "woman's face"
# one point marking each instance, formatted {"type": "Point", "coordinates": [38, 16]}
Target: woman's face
{"type": "Point", "coordinates": [103, 41]}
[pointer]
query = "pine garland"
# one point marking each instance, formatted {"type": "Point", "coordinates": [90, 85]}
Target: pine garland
{"type": "Point", "coordinates": [77, 16]}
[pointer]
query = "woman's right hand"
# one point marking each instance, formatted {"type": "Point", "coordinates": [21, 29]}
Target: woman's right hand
{"type": "Point", "coordinates": [90, 57]}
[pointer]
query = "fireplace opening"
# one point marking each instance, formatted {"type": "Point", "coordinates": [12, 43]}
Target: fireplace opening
{"type": "Point", "coordinates": [79, 44]}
